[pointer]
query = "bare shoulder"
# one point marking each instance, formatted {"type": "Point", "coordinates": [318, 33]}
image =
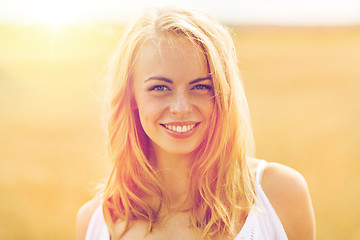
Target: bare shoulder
{"type": "Point", "coordinates": [289, 195]}
{"type": "Point", "coordinates": [83, 217]}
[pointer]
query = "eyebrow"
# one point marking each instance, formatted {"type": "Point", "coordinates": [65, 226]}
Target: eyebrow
{"type": "Point", "coordinates": [170, 81]}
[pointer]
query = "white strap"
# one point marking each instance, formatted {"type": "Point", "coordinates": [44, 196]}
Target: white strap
{"type": "Point", "coordinates": [260, 170]}
{"type": "Point", "coordinates": [97, 228]}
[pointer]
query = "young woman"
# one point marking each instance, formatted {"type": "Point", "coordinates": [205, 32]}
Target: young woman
{"type": "Point", "coordinates": [181, 144]}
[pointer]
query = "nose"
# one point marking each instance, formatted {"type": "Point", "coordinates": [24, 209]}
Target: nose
{"type": "Point", "coordinates": [180, 104]}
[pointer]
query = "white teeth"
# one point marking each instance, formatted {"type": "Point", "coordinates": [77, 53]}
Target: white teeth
{"type": "Point", "coordinates": [180, 129]}
{"type": "Point", "coordinates": [184, 129]}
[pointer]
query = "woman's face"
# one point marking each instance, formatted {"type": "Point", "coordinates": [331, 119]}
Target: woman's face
{"type": "Point", "coordinates": [173, 91]}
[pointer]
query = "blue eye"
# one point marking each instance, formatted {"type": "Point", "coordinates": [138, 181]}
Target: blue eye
{"type": "Point", "coordinates": [159, 88]}
{"type": "Point", "coordinates": [202, 87]}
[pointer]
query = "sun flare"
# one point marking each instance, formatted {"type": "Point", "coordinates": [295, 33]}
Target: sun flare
{"type": "Point", "coordinates": [56, 13]}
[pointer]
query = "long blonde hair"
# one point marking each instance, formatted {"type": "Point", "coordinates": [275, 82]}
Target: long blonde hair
{"type": "Point", "coordinates": [222, 185]}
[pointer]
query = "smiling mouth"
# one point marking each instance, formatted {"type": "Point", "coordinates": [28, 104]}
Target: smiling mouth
{"type": "Point", "coordinates": [180, 129]}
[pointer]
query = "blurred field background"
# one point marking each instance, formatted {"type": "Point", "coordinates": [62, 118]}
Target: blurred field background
{"type": "Point", "coordinates": [302, 85]}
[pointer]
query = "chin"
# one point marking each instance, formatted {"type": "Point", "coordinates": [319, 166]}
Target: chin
{"type": "Point", "coordinates": [181, 151]}
{"type": "Point", "coordinates": [176, 148]}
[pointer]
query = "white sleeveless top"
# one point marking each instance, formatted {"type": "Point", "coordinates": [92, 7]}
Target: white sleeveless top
{"type": "Point", "coordinates": [262, 222]}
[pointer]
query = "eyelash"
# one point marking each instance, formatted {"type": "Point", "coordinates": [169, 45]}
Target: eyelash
{"type": "Point", "coordinates": [163, 87]}
{"type": "Point", "coordinates": [156, 88]}
{"type": "Point", "coordinates": [203, 87]}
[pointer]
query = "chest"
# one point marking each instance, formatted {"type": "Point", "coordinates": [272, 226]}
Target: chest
{"type": "Point", "coordinates": [174, 227]}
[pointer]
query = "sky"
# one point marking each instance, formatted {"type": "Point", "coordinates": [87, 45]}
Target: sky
{"type": "Point", "coordinates": [273, 12]}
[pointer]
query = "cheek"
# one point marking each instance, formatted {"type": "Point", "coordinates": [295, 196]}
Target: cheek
{"type": "Point", "coordinates": [211, 105]}
{"type": "Point", "coordinates": [149, 110]}
{"type": "Point", "coordinates": [206, 105]}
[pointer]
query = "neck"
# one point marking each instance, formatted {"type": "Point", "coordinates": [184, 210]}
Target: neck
{"type": "Point", "coordinates": [174, 171]}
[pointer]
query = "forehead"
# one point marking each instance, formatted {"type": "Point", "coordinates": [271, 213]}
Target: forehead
{"type": "Point", "coordinates": [171, 57]}
{"type": "Point", "coordinates": [169, 45]}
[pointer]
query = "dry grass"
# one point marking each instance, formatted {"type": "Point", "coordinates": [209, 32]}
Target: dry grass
{"type": "Point", "coordinates": [302, 86]}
